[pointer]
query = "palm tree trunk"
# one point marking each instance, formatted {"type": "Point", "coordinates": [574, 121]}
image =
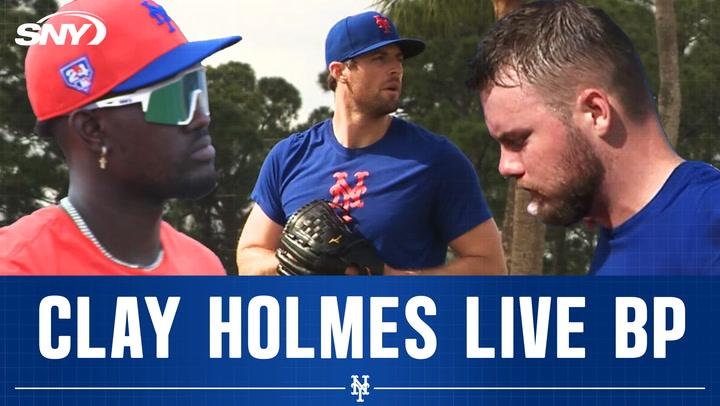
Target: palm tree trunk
{"type": "Point", "coordinates": [559, 259]}
{"type": "Point", "coordinates": [503, 7]}
{"type": "Point", "coordinates": [528, 239]}
{"type": "Point", "coordinates": [670, 99]}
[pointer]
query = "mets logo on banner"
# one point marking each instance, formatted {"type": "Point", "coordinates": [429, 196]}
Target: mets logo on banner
{"type": "Point", "coordinates": [78, 75]}
{"type": "Point", "coordinates": [360, 389]}
{"type": "Point", "coordinates": [384, 24]}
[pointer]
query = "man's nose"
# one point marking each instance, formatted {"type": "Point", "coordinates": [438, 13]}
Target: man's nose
{"type": "Point", "coordinates": [200, 121]}
{"type": "Point", "coordinates": [510, 164]}
{"type": "Point", "coordinates": [397, 67]}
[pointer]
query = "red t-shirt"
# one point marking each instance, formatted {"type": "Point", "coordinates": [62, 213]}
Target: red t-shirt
{"type": "Point", "coordinates": [47, 242]}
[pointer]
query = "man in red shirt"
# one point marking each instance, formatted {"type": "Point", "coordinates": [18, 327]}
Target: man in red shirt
{"type": "Point", "coordinates": [128, 108]}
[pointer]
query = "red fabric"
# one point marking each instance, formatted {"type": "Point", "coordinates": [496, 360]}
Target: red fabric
{"type": "Point", "coordinates": [133, 40]}
{"type": "Point", "coordinates": [48, 242]}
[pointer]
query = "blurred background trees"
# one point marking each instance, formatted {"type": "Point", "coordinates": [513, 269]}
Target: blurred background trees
{"type": "Point", "coordinates": [250, 114]}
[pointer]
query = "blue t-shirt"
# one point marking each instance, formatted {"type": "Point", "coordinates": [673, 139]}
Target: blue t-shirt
{"type": "Point", "coordinates": [677, 233]}
{"type": "Point", "coordinates": [410, 193]}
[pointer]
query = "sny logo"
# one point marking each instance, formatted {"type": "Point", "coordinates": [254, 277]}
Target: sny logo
{"type": "Point", "coordinates": [351, 196]}
{"type": "Point", "coordinates": [360, 389]}
{"type": "Point", "coordinates": [159, 14]}
{"type": "Point", "coordinates": [39, 33]}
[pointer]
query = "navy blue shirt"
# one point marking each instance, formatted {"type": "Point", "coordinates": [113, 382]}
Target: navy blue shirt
{"type": "Point", "coordinates": [677, 233]}
{"type": "Point", "coordinates": [410, 193]}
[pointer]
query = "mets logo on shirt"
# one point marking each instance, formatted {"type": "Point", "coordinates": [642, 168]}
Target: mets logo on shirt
{"type": "Point", "coordinates": [346, 196]}
{"type": "Point", "coordinates": [78, 75]}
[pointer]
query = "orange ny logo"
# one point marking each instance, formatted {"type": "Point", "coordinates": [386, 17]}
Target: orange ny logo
{"type": "Point", "coordinates": [345, 196]}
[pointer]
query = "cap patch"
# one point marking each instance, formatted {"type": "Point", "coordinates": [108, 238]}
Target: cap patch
{"type": "Point", "coordinates": [78, 75]}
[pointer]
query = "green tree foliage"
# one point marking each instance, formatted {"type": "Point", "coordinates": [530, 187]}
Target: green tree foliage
{"type": "Point", "coordinates": [319, 114]}
{"type": "Point", "coordinates": [248, 117]}
{"type": "Point", "coordinates": [699, 50]}
{"type": "Point", "coordinates": [31, 169]}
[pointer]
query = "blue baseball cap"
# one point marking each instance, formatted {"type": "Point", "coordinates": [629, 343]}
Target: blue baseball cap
{"type": "Point", "coordinates": [174, 61]}
{"type": "Point", "coordinates": [362, 33]}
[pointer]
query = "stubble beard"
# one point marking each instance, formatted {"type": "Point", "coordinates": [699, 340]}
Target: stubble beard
{"type": "Point", "coordinates": [375, 106]}
{"type": "Point", "coordinates": [580, 174]}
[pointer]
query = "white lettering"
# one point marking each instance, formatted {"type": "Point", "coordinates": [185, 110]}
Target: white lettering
{"type": "Point", "coordinates": [272, 307]}
{"type": "Point", "coordinates": [417, 323]}
{"type": "Point", "coordinates": [45, 327]}
{"type": "Point", "coordinates": [661, 335]}
{"type": "Point", "coordinates": [162, 323]}
{"type": "Point", "coordinates": [624, 327]}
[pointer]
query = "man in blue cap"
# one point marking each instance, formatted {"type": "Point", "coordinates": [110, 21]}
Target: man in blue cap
{"type": "Point", "coordinates": [410, 192]}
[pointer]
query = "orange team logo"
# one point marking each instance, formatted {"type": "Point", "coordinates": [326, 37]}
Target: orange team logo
{"type": "Point", "coordinates": [348, 197]}
{"type": "Point", "coordinates": [383, 23]}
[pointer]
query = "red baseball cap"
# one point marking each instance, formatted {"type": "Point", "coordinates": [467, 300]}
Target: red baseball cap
{"type": "Point", "coordinates": [128, 44]}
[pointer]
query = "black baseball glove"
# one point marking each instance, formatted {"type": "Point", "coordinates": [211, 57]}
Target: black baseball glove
{"type": "Point", "coordinates": [316, 241]}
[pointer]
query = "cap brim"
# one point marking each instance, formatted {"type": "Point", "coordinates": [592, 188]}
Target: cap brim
{"type": "Point", "coordinates": [175, 61]}
{"type": "Point", "coordinates": [409, 46]}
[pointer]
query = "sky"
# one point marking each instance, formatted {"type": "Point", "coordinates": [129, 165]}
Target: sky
{"type": "Point", "coordinates": [282, 38]}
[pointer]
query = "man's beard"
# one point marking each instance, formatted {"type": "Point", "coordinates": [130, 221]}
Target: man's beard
{"type": "Point", "coordinates": [579, 176]}
{"type": "Point", "coordinates": [377, 106]}
{"type": "Point", "coordinates": [380, 108]}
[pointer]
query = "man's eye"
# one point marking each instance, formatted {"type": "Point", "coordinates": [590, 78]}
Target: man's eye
{"type": "Point", "coordinates": [517, 143]}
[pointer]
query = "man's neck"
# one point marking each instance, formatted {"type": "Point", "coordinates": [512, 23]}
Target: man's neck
{"type": "Point", "coordinates": [634, 174]}
{"type": "Point", "coordinates": [354, 129]}
{"type": "Point", "coordinates": [127, 226]}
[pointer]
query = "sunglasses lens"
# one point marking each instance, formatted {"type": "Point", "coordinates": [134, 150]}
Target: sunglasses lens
{"type": "Point", "coordinates": [176, 102]}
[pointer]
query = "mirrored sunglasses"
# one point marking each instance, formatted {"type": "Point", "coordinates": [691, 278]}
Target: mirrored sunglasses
{"type": "Point", "coordinates": [171, 102]}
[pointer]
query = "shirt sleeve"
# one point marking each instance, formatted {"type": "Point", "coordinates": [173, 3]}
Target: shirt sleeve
{"type": "Point", "coordinates": [459, 202]}
{"type": "Point", "coordinates": [12, 259]}
{"type": "Point", "coordinates": [267, 191]}
{"type": "Point", "coordinates": [710, 239]}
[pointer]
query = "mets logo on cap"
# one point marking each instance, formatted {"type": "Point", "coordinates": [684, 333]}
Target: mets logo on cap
{"type": "Point", "coordinates": [383, 23]}
{"type": "Point", "coordinates": [78, 74]}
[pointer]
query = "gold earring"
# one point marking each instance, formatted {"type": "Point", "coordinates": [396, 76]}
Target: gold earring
{"type": "Point", "coordinates": [103, 157]}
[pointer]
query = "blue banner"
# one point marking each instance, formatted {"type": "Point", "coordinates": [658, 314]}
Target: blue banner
{"type": "Point", "coordinates": [346, 341]}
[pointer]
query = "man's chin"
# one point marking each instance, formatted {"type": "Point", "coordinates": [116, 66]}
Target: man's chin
{"type": "Point", "coordinates": [560, 218]}
{"type": "Point", "coordinates": [196, 187]}
{"type": "Point", "coordinates": [388, 107]}
{"type": "Point", "coordinates": [556, 216]}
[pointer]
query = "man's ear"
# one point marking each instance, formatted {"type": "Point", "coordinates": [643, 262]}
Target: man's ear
{"type": "Point", "coordinates": [86, 126]}
{"type": "Point", "coordinates": [593, 111]}
{"type": "Point", "coordinates": [337, 70]}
